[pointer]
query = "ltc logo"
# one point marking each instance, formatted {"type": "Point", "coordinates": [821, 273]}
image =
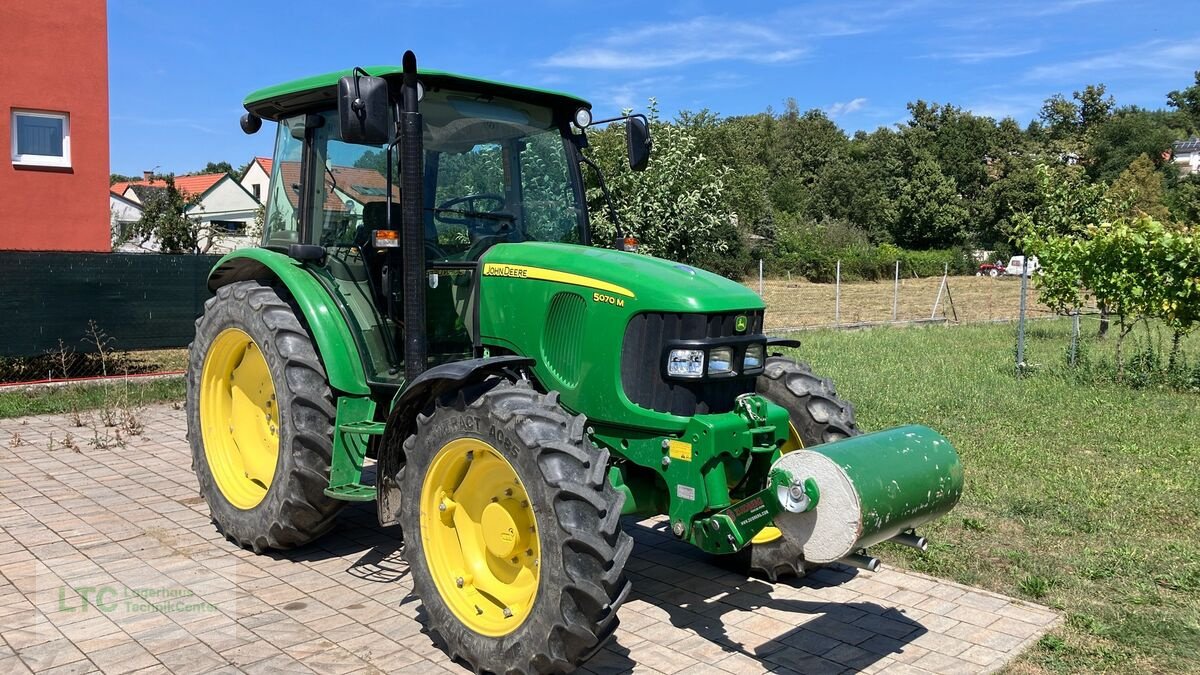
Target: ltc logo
{"type": "Point", "coordinates": [739, 324]}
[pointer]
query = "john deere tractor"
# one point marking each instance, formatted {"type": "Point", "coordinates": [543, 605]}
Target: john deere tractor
{"type": "Point", "coordinates": [429, 324]}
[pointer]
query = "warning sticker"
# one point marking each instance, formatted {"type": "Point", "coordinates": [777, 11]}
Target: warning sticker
{"type": "Point", "coordinates": [680, 450]}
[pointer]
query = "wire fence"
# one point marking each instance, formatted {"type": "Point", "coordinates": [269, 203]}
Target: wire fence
{"type": "Point", "coordinates": [907, 299]}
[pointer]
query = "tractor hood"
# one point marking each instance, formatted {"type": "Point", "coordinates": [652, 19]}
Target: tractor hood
{"type": "Point", "coordinates": [639, 282]}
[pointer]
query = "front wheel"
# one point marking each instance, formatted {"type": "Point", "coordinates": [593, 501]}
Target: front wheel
{"type": "Point", "coordinates": [512, 530]}
{"type": "Point", "coordinates": [817, 415]}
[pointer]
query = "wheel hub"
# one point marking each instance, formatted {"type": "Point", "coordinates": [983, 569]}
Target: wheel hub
{"type": "Point", "coordinates": [479, 535]}
{"type": "Point", "coordinates": [239, 418]}
{"type": "Point", "coordinates": [502, 528]}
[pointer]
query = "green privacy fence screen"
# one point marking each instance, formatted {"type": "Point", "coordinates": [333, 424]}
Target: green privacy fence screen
{"type": "Point", "coordinates": [143, 301]}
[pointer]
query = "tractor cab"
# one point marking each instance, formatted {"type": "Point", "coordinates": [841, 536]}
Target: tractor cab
{"type": "Point", "coordinates": [499, 164]}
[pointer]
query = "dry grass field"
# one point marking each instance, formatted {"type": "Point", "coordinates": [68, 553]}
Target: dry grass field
{"type": "Point", "coordinates": [794, 304]}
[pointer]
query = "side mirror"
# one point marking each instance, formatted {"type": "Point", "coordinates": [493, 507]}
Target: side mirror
{"type": "Point", "coordinates": [637, 141]}
{"type": "Point", "coordinates": [364, 109]}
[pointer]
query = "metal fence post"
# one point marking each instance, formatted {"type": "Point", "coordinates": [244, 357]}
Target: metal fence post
{"type": "Point", "coordinates": [941, 287]}
{"type": "Point", "coordinates": [1074, 338]}
{"type": "Point", "coordinates": [896, 292]}
{"type": "Point", "coordinates": [837, 298]}
{"type": "Point", "coordinates": [1021, 320]}
{"type": "Point", "coordinates": [760, 277]}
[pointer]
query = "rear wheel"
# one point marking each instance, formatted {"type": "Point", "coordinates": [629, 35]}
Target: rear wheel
{"type": "Point", "coordinates": [512, 530]}
{"type": "Point", "coordinates": [818, 416]}
{"type": "Point", "coordinates": [260, 420]}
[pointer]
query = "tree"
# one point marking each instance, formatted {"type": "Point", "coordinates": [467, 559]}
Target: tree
{"type": "Point", "coordinates": [1187, 102]}
{"type": "Point", "coordinates": [1094, 108]}
{"type": "Point", "coordinates": [1060, 117]}
{"type": "Point", "coordinates": [1183, 199]}
{"type": "Point", "coordinates": [677, 207]}
{"type": "Point", "coordinates": [931, 213]}
{"type": "Point", "coordinates": [1137, 267]}
{"type": "Point", "coordinates": [214, 167]}
{"type": "Point", "coordinates": [1120, 139]}
{"type": "Point", "coordinates": [1138, 191]}
{"type": "Point", "coordinates": [165, 221]}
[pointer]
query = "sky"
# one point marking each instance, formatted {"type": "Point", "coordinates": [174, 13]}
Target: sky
{"type": "Point", "coordinates": [178, 71]}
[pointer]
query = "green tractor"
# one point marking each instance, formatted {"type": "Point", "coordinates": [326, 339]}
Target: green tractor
{"type": "Point", "coordinates": [428, 303]}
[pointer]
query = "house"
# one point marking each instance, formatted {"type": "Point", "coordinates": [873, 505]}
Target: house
{"type": "Point", "coordinates": [258, 178]}
{"type": "Point", "coordinates": [224, 209]}
{"type": "Point", "coordinates": [1186, 155]}
{"type": "Point", "coordinates": [54, 118]}
{"type": "Point", "coordinates": [124, 212]}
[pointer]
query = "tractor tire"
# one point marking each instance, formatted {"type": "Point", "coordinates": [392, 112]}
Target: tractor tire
{"type": "Point", "coordinates": [994, 273]}
{"type": "Point", "coordinates": [512, 530]}
{"type": "Point", "coordinates": [260, 419]}
{"type": "Point", "coordinates": [819, 416]}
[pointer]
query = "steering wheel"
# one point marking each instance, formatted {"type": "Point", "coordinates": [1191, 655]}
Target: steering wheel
{"type": "Point", "coordinates": [451, 213]}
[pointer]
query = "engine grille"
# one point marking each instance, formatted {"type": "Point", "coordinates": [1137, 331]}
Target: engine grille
{"type": "Point", "coordinates": [644, 348]}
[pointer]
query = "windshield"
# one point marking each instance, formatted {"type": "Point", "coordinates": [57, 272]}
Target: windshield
{"type": "Point", "coordinates": [496, 170]}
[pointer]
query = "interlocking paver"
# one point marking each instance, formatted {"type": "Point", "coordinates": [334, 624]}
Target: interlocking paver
{"type": "Point", "coordinates": [101, 519]}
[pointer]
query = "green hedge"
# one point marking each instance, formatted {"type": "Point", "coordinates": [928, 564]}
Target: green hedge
{"type": "Point", "coordinates": [871, 263]}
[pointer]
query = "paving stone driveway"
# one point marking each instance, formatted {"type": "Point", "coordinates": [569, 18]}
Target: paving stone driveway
{"type": "Point", "coordinates": [108, 562]}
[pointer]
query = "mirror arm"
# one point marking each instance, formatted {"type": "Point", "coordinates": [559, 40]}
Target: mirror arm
{"type": "Point", "coordinates": [612, 210]}
{"type": "Point", "coordinates": [620, 118]}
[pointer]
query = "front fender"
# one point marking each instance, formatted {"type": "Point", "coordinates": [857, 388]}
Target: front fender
{"type": "Point", "coordinates": [426, 388]}
{"type": "Point", "coordinates": [326, 324]}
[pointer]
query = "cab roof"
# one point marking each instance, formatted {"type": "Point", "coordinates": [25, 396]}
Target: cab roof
{"type": "Point", "coordinates": [319, 92]}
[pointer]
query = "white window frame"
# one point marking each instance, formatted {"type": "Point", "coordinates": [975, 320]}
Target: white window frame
{"type": "Point", "coordinates": [63, 162]}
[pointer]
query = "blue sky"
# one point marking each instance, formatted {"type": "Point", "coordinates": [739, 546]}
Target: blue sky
{"type": "Point", "coordinates": [179, 70]}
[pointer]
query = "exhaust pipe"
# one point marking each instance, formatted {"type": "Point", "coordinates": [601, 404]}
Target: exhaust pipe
{"type": "Point", "coordinates": [861, 561]}
{"type": "Point", "coordinates": [912, 540]}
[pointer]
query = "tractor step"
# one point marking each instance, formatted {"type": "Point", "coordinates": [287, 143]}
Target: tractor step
{"type": "Point", "coordinates": [368, 428]}
{"type": "Point", "coordinates": [352, 492]}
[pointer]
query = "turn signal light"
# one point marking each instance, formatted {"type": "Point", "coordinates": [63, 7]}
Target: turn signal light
{"type": "Point", "coordinates": [387, 239]}
{"type": "Point", "coordinates": [631, 244]}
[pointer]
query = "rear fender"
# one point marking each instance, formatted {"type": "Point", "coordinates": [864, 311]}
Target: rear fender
{"type": "Point", "coordinates": [424, 390]}
{"type": "Point", "coordinates": [325, 322]}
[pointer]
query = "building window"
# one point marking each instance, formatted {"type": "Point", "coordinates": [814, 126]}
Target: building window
{"type": "Point", "coordinates": [229, 227]}
{"type": "Point", "coordinates": [41, 139]}
{"type": "Point", "coordinates": [257, 191]}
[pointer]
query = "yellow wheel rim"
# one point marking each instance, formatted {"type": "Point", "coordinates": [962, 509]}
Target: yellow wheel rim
{"type": "Point", "coordinates": [771, 533]}
{"type": "Point", "coordinates": [239, 418]}
{"type": "Point", "coordinates": [480, 537]}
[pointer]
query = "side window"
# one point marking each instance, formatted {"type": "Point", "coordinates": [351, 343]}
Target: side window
{"type": "Point", "coordinates": [283, 197]}
{"type": "Point", "coordinates": [548, 203]}
{"type": "Point", "coordinates": [353, 191]}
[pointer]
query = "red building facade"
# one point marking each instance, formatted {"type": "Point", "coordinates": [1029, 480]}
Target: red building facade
{"type": "Point", "coordinates": [54, 122]}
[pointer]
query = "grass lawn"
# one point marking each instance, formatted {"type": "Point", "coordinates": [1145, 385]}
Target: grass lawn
{"type": "Point", "coordinates": [1083, 497]}
{"type": "Point", "coordinates": [43, 400]}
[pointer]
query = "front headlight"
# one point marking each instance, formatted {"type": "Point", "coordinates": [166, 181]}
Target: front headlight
{"type": "Point", "coordinates": [685, 363]}
{"type": "Point", "coordinates": [753, 359]}
{"type": "Point", "coordinates": [720, 361]}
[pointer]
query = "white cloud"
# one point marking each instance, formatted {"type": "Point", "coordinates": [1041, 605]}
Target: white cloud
{"type": "Point", "coordinates": [698, 40]}
{"type": "Point", "coordinates": [1162, 56]}
{"type": "Point", "coordinates": [984, 52]}
{"type": "Point", "coordinates": [845, 108]}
